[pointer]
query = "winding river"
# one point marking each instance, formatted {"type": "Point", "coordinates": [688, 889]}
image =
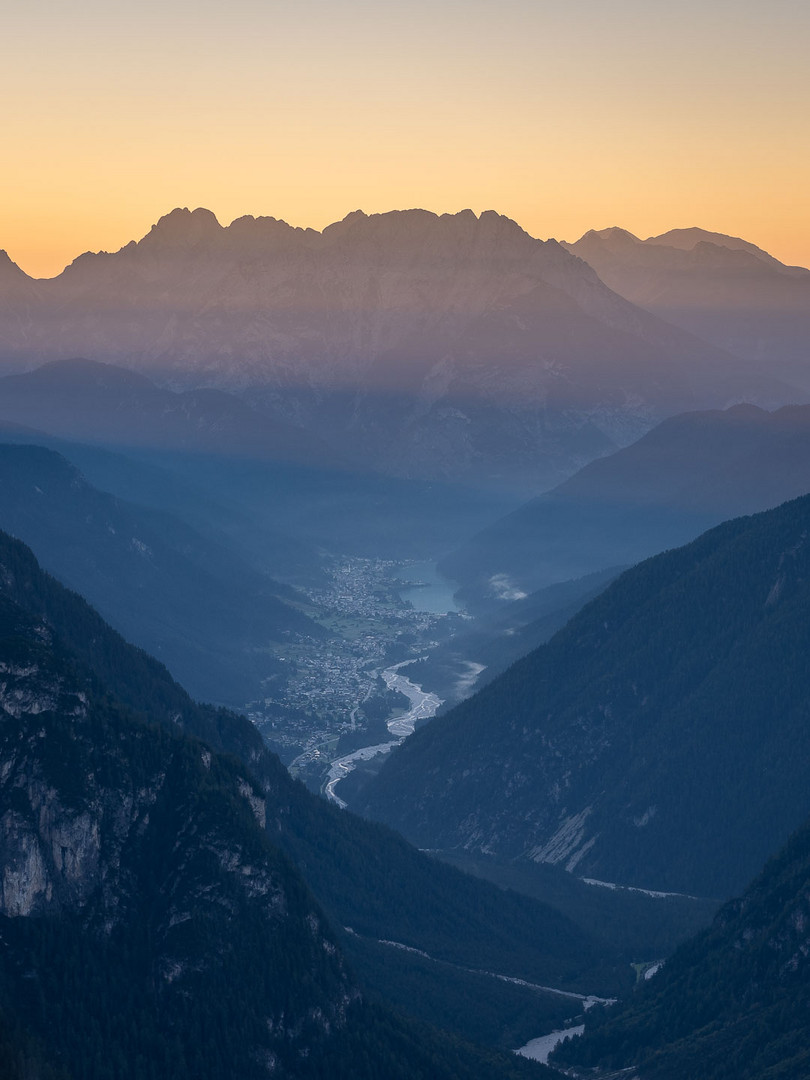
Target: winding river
{"type": "Point", "coordinates": [423, 705]}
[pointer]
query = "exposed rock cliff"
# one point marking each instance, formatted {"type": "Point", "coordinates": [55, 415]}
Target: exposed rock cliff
{"type": "Point", "coordinates": [149, 924]}
{"type": "Point", "coordinates": [127, 832]}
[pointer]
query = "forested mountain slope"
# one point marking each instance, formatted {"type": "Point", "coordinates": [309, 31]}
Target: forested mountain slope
{"type": "Point", "coordinates": [733, 1003]}
{"type": "Point", "coordinates": [503, 633]}
{"type": "Point", "coordinates": [658, 740]}
{"type": "Point", "coordinates": [364, 876]}
{"type": "Point", "coordinates": [149, 925]}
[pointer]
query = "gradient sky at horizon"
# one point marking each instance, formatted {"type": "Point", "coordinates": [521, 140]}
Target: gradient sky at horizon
{"type": "Point", "coordinates": [635, 113]}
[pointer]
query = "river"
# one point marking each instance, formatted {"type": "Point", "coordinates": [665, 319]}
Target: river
{"type": "Point", "coordinates": [539, 1049]}
{"type": "Point", "coordinates": [423, 705]}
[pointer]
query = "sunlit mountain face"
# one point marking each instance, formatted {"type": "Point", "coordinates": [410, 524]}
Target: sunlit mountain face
{"type": "Point", "coordinates": [721, 288]}
{"type": "Point", "coordinates": [448, 346]}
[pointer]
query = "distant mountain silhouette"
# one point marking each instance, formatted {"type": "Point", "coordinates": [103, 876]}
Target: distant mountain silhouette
{"type": "Point", "coordinates": [444, 346]}
{"type": "Point", "coordinates": [94, 402]}
{"type": "Point", "coordinates": [190, 601]}
{"type": "Point", "coordinates": [690, 472]}
{"type": "Point", "coordinates": [721, 288]}
{"type": "Point", "coordinates": [270, 490]}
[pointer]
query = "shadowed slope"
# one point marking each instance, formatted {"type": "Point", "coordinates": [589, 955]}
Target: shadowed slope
{"type": "Point", "coordinates": [659, 740]}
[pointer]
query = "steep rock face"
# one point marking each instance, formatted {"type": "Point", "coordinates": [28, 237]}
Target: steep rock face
{"type": "Point", "coordinates": [432, 345]}
{"type": "Point", "coordinates": [657, 741]}
{"type": "Point", "coordinates": [722, 288]}
{"type": "Point", "coordinates": [124, 832]}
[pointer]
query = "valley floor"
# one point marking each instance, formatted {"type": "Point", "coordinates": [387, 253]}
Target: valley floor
{"type": "Point", "coordinates": [326, 692]}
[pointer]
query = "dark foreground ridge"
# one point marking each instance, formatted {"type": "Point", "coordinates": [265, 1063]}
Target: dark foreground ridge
{"type": "Point", "coordinates": [733, 1002]}
{"type": "Point", "coordinates": [151, 923]}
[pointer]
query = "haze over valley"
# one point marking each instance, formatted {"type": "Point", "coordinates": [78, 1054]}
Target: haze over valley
{"type": "Point", "coordinates": [403, 609]}
{"type": "Point", "coordinates": [403, 623]}
{"type": "Point", "coordinates": [452, 347]}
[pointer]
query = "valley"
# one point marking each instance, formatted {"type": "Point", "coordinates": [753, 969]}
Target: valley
{"type": "Point", "coordinates": [508, 695]}
{"type": "Point", "coordinates": [348, 690]}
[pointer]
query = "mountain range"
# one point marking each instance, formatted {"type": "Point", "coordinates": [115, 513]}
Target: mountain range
{"type": "Point", "coordinates": [200, 422]}
{"type": "Point", "coordinates": [442, 346]}
{"type": "Point", "coordinates": [98, 403]}
{"type": "Point", "coordinates": [723, 289]}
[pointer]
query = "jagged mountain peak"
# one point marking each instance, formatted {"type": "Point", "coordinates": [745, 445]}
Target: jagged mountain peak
{"type": "Point", "coordinates": [266, 234]}
{"type": "Point", "coordinates": [614, 234]}
{"type": "Point", "coordinates": [182, 227]}
{"type": "Point", "coordinates": [198, 234]}
{"type": "Point", "coordinates": [180, 230]}
{"type": "Point", "coordinates": [418, 225]}
{"type": "Point", "coordinates": [9, 271]}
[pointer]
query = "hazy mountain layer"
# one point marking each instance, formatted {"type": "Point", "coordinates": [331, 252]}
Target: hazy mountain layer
{"type": "Point", "coordinates": [658, 740]}
{"type": "Point", "coordinates": [210, 617]}
{"type": "Point", "coordinates": [441, 346]}
{"type": "Point", "coordinates": [94, 402]}
{"type": "Point", "coordinates": [210, 509]}
{"type": "Point", "coordinates": [721, 288]}
{"type": "Point", "coordinates": [689, 473]}
{"type": "Point", "coordinates": [210, 459]}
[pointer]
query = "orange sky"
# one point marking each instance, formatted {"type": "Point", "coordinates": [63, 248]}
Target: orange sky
{"type": "Point", "coordinates": [640, 114]}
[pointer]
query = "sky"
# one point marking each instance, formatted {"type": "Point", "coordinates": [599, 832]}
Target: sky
{"type": "Point", "coordinates": [566, 116]}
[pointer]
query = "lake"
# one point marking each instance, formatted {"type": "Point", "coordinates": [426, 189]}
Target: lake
{"type": "Point", "coordinates": [433, 594]}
